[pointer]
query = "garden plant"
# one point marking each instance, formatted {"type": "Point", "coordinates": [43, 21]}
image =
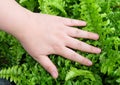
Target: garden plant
{"type": "Point", "coordinates": [102, 17]}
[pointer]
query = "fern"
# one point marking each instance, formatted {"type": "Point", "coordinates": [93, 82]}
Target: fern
{"type": "Point", "coordinates": [29, 4]}
{"type": "Point", "coordinates": [102, 17]}
{"type": "Point", "coordinates": [75, 72]}
{"type": "Point", "coordinates": [14, 73]}
{"type": "Point", "coordinates": [54, 7]}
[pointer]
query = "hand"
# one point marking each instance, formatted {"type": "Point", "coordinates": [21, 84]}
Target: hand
{"type": "Point", "coordinates": [45, 34]}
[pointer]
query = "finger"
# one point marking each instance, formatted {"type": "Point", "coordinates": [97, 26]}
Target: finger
{"type": "Point", "coordinates": [73, 22]}
{"type": "Point", "coordinates": [70, 54]}
{"type": "Point", "coordinates": [79, 45]}
{"type": "Point", "coordinates": [48, 65]}
{"type": "Point", "coordinates": [74, 32]}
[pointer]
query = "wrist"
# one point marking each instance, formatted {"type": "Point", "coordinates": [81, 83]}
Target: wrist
{"type": "Point", "coordinates": [22, 24]}
{"type": "Point", "coordinates": [13, 18]}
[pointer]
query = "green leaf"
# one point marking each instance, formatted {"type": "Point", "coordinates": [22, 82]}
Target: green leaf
{"type": "Point", "coordinates": [78, 72]}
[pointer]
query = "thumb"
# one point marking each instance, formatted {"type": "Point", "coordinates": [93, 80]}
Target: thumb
{"type": "Point", "coordinates": [48, 65]}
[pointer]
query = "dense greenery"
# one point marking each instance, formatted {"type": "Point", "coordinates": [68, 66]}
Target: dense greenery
{"type": "Point", "coordinates": [102, 17]}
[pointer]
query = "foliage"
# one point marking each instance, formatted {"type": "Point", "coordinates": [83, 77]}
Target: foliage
{"type": "Point", "coordinates": [102, 17]}
{"type": "Point", "coordinates": [74, 73]}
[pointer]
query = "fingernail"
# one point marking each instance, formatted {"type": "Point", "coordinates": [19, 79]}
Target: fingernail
{"type": "Point", "coordinates": [96, 36]}
{"type": "Point", "coordinates": [98, 50]}
{"type": "Point", "coordinates": [83, 22]}
{"type": "Point", "coordinates": [55, 74]}
{"type": "Point", "coordinates": [89, 63]}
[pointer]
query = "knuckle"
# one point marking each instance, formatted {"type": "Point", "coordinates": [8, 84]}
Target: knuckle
{"type": "Point", "coordinates": [88, 34]}
{"type": "Point", "coordinates": [74, 22]}
{"type": "Point", "coordinates": [77, 32]}
{"type": "Point", "coordinates": [71, 21]}
{"type": "Point", "coordinates": [57, 47]}
{"type": "Point", "coordinates": [83, 60]}
{"type": "Point", "coordinates": [48, 68]}
{"type": "Point", "coordinates": [72, 55]}
{"type": "Point", "coordinates": [92, 49]}
{"type": "Point", "coordinates": [79, 44]}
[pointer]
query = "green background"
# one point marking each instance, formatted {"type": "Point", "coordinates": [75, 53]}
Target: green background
{"type": "Point", "coordinates": [102, 17]}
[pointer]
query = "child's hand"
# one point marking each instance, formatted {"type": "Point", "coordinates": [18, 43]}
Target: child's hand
{"type": "Point", "coordinates": [46, 34]}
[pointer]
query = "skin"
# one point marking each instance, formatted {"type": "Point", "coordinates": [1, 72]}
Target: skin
{"type": "Point", "coordinates": [42, 35]}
